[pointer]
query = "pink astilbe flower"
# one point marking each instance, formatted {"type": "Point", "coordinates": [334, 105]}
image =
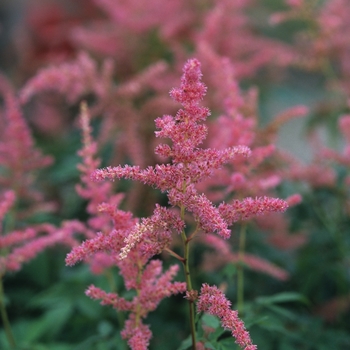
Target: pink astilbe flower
{"type": "Point", "coordinates": [19, 162]}
{"type": "Point", "coordinates": [190, 164]}
{"type": "Point", "coordinates": [19, 158]}
{"type": "Point", "coordinates": [214, 302]}
{"type": "Point", "coordinates": [316, 174]}
{"type": "Point", "coordinates": [324, 40]}
{"type": "Point", "coordinates": [89, 190]}
{"type": "Point", "coordinates": [344, 156]}
{"type": "Point", "coordinates": [152, 286]}
{"type": "Point", "coordinates": [122, 235]}
{"type": "Point", "coordinates": [228, 31]}
{"type": "Point", "coordinates": [278, 233]}
{"type": "Point", "coordinates": [16, 237]}
{"type": "Point", "coordinates": [72, 79]}
{"type": "Point", "coordinates": [145, 277]}
{"type": "Point", "coordinates": [133, 244]}
{"type": "Point", "coordinates": [137, 333]}
{"type": "Point", "coordinates": [223, 254]}
{"type": "Point", "coordinates": [32, 247]}
{"type": "Point", "coordinates": [250, 207]}
{"type": "Point", "coordinates": [7, 201]}
{"type": "Point", "coordinates": [257, 174]}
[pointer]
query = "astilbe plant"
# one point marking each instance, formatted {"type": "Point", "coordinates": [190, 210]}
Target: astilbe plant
{"type": "Point", "coordinates": [21, 198]}
{"type": "Point", "coordinates": [132, 242]}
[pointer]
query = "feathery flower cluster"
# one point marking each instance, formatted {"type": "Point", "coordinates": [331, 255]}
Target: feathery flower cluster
{"type": "Point", "coordinates": [324, 40]}
{"type": "Point", "coordinates": [145, 277]}
{"type": "Point", "coordinates": [106, 248]}
{"type": "Point", "coordinates": [19, 160]}
{"type": "Point", "coordinates": [249, 207]}
{"type": "Point", "coordinates": [152, 287]}
{"type": "Point", "coordinates": [73, 79]}
{"type": "Point", "coordinates": [19, 157]}
{"type": "Point", "coordinates": [214, 302]}
{"type": "Point", "coordinates": [190, 164]}
{"type": "Point", "coordinates": [223, 254]}
{"type": "Point", "coordinates": [6, 203]}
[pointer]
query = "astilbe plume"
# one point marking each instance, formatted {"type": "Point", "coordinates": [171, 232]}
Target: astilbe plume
{"type": "Point", "coordinates": [221, 254]}
{"type": "Point", "coordinates": [101, 250]}
{"type": "Point", "coordinates": [19, 158]}
{"type": "Point", "coordinates": [228, 31]}
{"type": "Point", "coordinates": [20, 161]}
{"type": "Point", "coordinates": [213, 301]}
{"type": "Point", "coordinates": [73, 79]}
{"type": "Point", "coordinates": [239, 124]}
{"type": "Point", "coordinates": [323, 43]}
{"type": "Point", "coordinates": [344, 156]}
{"type": "Point", "coordinates": [189, 165]}
{"type": "Point", "coordinates": [139, 273]}
{"type": "Point", "coordinates": [101, 202]}
{"type": "Point", "coordinates": [81, 78]}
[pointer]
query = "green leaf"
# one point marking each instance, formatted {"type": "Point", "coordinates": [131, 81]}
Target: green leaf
{"type": "Point", "coordinates": [255, 321]}
{"type": "Point", "coordinates": [283, 312]}
{"type": "Point", "coordinates": [50, 323]}
{"type": "Point", "coordinates": [186, 344]}
{"type": "Point", "coordinates": [105, 328]}
{"type": "Point", "coordinates": [210, 321]}
{"type": "Point", "coordinates": [230, 270]}
{"type": "Point", "coordinates": [228, 344]}
{"type": "Point", "coordinates": [215, 335]}
{"type": "Point", "coordinates": [209, 345]}
{"type": "Point", "coordinates": [285, 297]}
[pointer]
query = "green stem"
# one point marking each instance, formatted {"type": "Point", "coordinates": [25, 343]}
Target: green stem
{"type": "Point", "coordinates": [138, 290]}
{"type": "Point", "coordinates": [185, 261]}
{"type": "Point", "coordinates": [186, 243]}
{"type": "Point", "coordinates": [5, 319]}
{"type": "Point", "coordinates": [240, 269]}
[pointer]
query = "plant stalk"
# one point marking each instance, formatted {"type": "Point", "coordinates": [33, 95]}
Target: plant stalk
{"type": "Point", "coordinates": [240, 269]}
{"type": "Point", "coordinates": [5, 319]}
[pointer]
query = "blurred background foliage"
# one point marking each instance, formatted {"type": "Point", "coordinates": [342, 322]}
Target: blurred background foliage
{"type": "Point", "coordinates": [310, 311]}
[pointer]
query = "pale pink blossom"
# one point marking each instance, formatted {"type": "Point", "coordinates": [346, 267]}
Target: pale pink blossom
{"type": "Point", "coordinates": [223, 254]}
{"type": "Point", "coordinates": [213, 301]}
{"type": "Point", "coordinates": [71, 79]}
{"type": "Point", "coordinates": [19, 157]}
{"type": "Point", "coordinates": [250, 207]}
{"type": "Point", "coordinates": [7, 201]}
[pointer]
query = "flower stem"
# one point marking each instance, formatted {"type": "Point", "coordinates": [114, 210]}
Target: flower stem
{"type": "Point", "coordinates": [189, 287]}
{"type": "Point", "coordinates": [185, 261]}
{"type": "Point", "coordinates": [5, 319]}
{"type": "Point", "coordinates": [240, 270]}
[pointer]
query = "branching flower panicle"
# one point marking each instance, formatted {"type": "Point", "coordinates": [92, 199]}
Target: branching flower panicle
{"type": "Point", "coordinates": [214, 302]}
